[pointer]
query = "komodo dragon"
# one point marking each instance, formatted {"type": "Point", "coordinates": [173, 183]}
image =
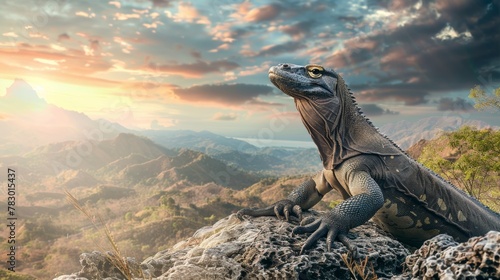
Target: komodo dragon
{"type": "Point", "coordinates": [375, 177]}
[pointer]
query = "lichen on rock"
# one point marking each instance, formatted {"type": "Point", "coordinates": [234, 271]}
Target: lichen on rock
{"type": "Point", "coordinates": [443, 258]}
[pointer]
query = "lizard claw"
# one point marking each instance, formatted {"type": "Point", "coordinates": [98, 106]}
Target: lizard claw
{"type": "Point", "coordinates": [322, 226]}
{"type": "Point", "coordinates": [286, 210]}
{"type": "Point", "coordinates": [309, 227]}
{"type": "Point", "coordinates": [307, 220]}
{"type": "Point", "coordinates": [278, 208]}
{"type": "Point", "coordinates": [281, 209]}
{"type": "Point", "coordinates": [313, 226]}
{"type": "Point", "coordinates": [297, 211]}
{"type": "Point", "coordinates": [351, 247]}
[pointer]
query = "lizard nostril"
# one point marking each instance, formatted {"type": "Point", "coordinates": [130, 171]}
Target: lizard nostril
{"type": "Point", "coordinates": [286, 65]}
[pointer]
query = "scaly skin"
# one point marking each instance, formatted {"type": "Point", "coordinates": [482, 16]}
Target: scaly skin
{"type": "Point", "coordinates": [375, 177]}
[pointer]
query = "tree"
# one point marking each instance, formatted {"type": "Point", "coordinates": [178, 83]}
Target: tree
{"type": "Point", "coordinates": [474, 164]}
{"type": "Point", "coordinates": [167, 201]}
{"type": "Point", "coordinates": [484, 100]}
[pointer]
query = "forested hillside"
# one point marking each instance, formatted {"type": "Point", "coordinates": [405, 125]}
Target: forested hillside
{"type": "Point", "coordinates": [469, 158]}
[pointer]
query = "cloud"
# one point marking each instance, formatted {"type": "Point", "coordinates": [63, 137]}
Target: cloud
{"type": "Point", "coordinates": [255, 69]}
{"type": "Point", "coordinates": [229, 32]}
{"type": "Point", "coordinates": [409, 96]}
{"type": "Point", "coordinates": [152, 25]}
{"type": "Point", "coordinates": [195, 54]}
{"type": "Point", "coordinates": [395, 5]}
{"type": "Point", "coordinates": [148, 85]}
{"type": "Point", "coordinates": [188, 13]}
{"type": "Point", "coordinates": [274, 50]}
{"type": "Point", "coordinates": [162, 3]}
{"type": "Point", "coordinates": [196, 69]}
{"type": "Point", "coordinates": [85, 14]}
{"type": "Point", "coordinates": [264, 13]}
{"type": "Point", "coordinates": [63, 36]}
{"type": "Point", "coordinates": [225, 117]}
{"type": "Point", "coordinates": [70, 62]}
{"type": "Point", "coordinates": [355, 52]}
{"type": "Point", "coordinates": [225, 94]}
{"type": "Point", "coordinates": [376, 110]}
{"type": "Point", "coordinates": [10, 34]}
{"type": "Point", "coordinates": [165, 123]}
{"type": "Point", "coordinates": [117, 4]}
{"type": "Point", "coordinates": [412, 52]}
{"type": "Point", "coordinates": [286, 114]}
{"type": "Point", "coordinates": [3, 116]}
{"type": "Point", "coordinates": [13, 71]}
{"type": "Point", "coordinates": [298, 30]}
{"type": "Point", "coordinates": [263, 104]}
{"type": "Point", "coordinates": [449, 33]}
{"type": "Point", "coordinates": [123, 16]}
{"type": "Point", "coordinates": [144, 90]}
{"type": "Point", "coordinates": [422, 50]}
{"type": "Point", "coordinates": [457, 104]}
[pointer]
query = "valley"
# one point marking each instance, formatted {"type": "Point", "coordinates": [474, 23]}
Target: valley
{"type": "Point", "coordinates": [149, 196]}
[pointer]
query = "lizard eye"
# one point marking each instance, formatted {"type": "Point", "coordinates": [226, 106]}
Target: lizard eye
{"type": "Point", "coordinates": [315, 71]}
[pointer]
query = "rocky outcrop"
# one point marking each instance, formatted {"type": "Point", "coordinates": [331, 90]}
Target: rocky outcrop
{"type": "Point", "coordinates": [264, 248]}
{"type": "Point", "coordinates": [443, 258]}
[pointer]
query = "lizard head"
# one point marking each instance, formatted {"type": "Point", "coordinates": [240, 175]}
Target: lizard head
{"type": "Point", "coordinates": [311, 82]}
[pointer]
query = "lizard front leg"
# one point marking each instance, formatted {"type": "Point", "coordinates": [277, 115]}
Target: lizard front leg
{"type": "Point", "coordinates": [302, 198]}
{"type": "Point", "coordinates": [365, 201]}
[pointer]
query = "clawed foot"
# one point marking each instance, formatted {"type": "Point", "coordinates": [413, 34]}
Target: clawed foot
{"type": "Point", "coordinates": [322, 226]}
{"type": "Point", "coordinates": [319, 227]}
{"type": "Point", "coordinates": [282, 210]}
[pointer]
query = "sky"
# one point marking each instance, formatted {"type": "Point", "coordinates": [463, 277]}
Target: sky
{"type": "Point", "coordinates": [202, 65]}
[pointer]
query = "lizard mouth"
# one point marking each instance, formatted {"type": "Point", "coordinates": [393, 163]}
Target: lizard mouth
{"type": "Point", "coordinates": [274, 78]}
{"type": "Point", "coordinates": [283, 82]}
{"type": "Point", "coordinates": [277, 80]}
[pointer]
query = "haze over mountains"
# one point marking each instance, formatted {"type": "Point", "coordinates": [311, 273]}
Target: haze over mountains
{"type": "Point", "coordinates": [127, 159]}
{"type": "Point", "coordinates": [27, 122]}
{"type": "Point", "coordinates": [406, 133]}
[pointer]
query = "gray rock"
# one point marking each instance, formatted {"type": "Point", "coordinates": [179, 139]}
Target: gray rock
{"type": "Point", "coordinates": [257, 248]}
{"type": "Point", "coordinates": [97, 265]}
{"type": "Point", "coordinates": [443, 258]}
{"type": "Point", "coordinates": [264, 248]}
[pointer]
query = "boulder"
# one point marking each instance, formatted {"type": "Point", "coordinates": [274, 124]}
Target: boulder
{"type": "Point", "coordinates": [265, 248]}
{"type": "Point", "coordinates": [443, 258]}
{"type": "Point", "coordinates": [256, 248]}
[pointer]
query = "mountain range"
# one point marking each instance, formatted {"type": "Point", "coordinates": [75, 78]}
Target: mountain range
{"type": "Point", "coordinates": [128, 159]}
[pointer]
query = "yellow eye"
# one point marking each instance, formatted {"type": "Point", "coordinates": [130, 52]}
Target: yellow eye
{"type": "Point", "coordinates": [315, 71]}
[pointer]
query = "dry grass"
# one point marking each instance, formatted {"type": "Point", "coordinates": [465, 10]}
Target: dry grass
{"type": "Point", "coordinates": [115, 258]}
{"type": "Point", "coordinates": [360, 270]}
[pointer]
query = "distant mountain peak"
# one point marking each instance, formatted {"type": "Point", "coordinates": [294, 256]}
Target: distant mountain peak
{"type": "Point", "coordinates": [28, 121]}
{"type": "Point", "coordinates": [21, 91]}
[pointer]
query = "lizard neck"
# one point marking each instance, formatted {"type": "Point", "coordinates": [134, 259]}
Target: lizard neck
{"type": "Point", "coordinates": [339, 130]}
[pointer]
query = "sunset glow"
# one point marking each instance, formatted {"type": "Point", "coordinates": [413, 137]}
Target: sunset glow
{"type": "Point", "coordinates": [203, 64]}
